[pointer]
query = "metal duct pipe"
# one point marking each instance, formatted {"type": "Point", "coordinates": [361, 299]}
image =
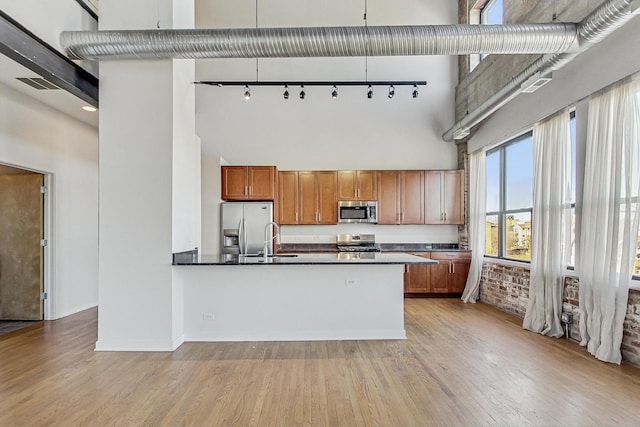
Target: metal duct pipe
{"type": "Point", "coordinates": [604, 20]}
{"type": "Point", "coordinates": [321, 41]}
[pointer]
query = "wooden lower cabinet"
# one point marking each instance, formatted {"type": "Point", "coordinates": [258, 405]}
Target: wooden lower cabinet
{"type": "Point", "coordinates": [448, 276]}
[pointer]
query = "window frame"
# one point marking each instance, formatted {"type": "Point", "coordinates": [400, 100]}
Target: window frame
{"type": "Point", "coordinates": [502, 212]}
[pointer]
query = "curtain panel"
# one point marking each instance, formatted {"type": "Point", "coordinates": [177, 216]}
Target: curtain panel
{"type": "Point", "coordinates": [550, 224]}
{"type": "Point", "coordinates": [477, 223]}
{"type": "Point", "coordinates": [609, 231]}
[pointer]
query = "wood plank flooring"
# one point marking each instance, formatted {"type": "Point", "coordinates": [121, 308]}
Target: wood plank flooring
{"type": "Point", "coordinates": [463, 364]}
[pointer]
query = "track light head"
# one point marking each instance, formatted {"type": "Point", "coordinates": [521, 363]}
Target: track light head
{"type": "Point", "coordinates": [370, 92]}
{"type": "Point", "coordinates": [414, 94]}
{"type": "Point", "coordinates": [334, 93]}
{"type": "Point", "coordinates": [286, 92]}
{"type": "Point", "coordinates": [247, 92]}
{"type": "Point", "coordinates": [392, 91]}
{"type": "Point", "coordinates": [302, 93]}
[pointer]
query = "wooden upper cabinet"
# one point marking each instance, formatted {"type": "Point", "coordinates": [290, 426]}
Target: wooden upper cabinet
{"type": "Point", "coordinates": [412, 199]}
{"type": "Point", "coordinates": [308, 197]}
{"type": "Point", "coordinates": [444, 197]}
{"type": "Point", "coordinates": [327, 200]}
{"type": "Point", "coordinates": [388, 197]}
{"type": "Point", "coordinates": [248, 183]}
{"type": "Point", "coordinates": [357, 185]}
{"type": "Point", "coordinates": [400, 197]}
{"type": "Point", "coordinates": [288, 197]}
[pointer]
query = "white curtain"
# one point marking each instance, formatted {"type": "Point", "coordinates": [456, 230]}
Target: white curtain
{"type": "Point", "coordinates": [550, 224]}
{"type": "Point", "coordinates": [477, 223]}
{"type": "Point", "coordinates": [609, 230]}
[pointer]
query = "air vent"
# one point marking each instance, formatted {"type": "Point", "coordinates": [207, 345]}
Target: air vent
{"type": "Point", "coordinates": [38, 83]}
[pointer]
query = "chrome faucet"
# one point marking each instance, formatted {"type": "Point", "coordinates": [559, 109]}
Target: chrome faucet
{"type": "Point", "coordinates": [267, 239]}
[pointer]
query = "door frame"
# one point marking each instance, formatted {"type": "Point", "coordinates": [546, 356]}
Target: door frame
{"type": "Point", "coordinates": [48, 307]}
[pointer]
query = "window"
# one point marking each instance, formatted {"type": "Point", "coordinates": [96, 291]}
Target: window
{"type": "Point", "coordinates": [491, 13]}
{"type": "Point", "coordinates": [510, 199]}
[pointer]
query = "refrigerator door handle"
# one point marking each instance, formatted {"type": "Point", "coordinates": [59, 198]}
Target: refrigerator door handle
{"type": "Point", "coordinates": [244, 234]}
{"type": "Point", "coordinates": [241, 235]}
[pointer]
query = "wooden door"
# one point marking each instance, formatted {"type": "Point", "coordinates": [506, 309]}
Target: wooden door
{"type": "Point", "coordinates": [307, 198]}
{"type": "Point", "coordinates": [347, 185]}
{"type": "Point", "coordinates": [388, 197]}
{"type": "Point", "coordinates": [412, 198]}
{"type": "Point", "coordinates": [433, 213]}
{"type": "Point", "coordinates": [327, 200]}
{"type": "Point", "coordinates": [234, 183]}
{"type": "Point", "coordinates": [440, 276]}
{"type": "Point", "coordinates": [261, 182]}
{"type": "Point", "coordinates": [453, 196]}
{"type": "Point", "coordinates": [367, 185]}
{"type": "Point", "coordinates": [21, 259]}
{"type": "Point", "coordinates": [288, 197]}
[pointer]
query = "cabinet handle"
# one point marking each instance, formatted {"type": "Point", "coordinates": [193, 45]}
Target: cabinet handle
{"type": "Point", "coordinates": [355, 193]}
{"type": "Point", "coordinates": [453, 268]}
{"type": "Point", "coordinates": [402, 216]}
{"type": "Point", "coordinates": [296, 216]}
{"type": "Point", "coordinates": [250, 190]}
{"type": "Point", "coordinates": [445, 216]}
{"type": "Point", "coordinates": [317, 216]}
{"type": "Point", "coordinates": [358, 193]}
{"type": "Point", "coordinates": [397, 217]}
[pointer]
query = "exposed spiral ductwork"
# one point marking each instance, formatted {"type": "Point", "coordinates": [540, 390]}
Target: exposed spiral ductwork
{"type": "Point", "coordinates": [321, 41]}
{"type": "Point", "coordinates": [604, 20]}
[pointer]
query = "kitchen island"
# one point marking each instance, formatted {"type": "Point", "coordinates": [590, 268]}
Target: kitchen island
{"type": "Point", "coordinates": [293, 298]}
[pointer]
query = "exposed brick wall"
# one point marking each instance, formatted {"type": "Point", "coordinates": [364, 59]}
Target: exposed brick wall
{"type": "Point", "coordinates": [507, 288]}
{"type": "Point", "coordinates": [631, 337]}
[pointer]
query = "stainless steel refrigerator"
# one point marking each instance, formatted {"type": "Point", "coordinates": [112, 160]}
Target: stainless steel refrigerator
{"type": "Point", "coordinates": [243, 227]}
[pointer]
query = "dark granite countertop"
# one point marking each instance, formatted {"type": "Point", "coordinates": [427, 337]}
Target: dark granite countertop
{"type": "Point", "coordinates": [194, 258]}
{"type": "Point", "coordinates": [384, 247]}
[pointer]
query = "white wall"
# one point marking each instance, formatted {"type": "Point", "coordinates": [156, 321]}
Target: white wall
{"type": "Point", "coordinates": [614, 58]}
{"type": "Point", "coordinates": [351, 132]}
{"type": "Point", "coordinates": [47, 19]}
{"type": "Point", "coordinates": [36, 137]}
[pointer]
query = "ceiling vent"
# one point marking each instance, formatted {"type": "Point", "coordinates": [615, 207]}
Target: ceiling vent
{"type": "Point", "coordinates": [38, 83]}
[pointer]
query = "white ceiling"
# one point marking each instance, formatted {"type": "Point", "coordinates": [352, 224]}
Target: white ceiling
{"type": "Point", "coordinates": [58, 99]}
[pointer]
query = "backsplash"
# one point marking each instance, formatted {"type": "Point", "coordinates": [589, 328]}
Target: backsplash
{"type": "Point", "coordinates": [383, 233]}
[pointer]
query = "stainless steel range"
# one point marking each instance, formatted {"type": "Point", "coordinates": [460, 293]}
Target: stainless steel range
{"type": "Point", "coordinates": [357, 243]}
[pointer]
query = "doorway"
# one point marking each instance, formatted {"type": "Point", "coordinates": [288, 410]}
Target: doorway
{"type": "Point", "coordinates": [21, 247]}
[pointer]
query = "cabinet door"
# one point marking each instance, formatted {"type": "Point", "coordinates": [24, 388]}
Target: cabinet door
{"type": "Point", "coordinates": [388, 197]}
{"type": "Point", "coordinates": [417, 275]}
{"type": "Point", "coordinates": [234, 183]}
{"type": "Point", "coordinates": [412, 199]}
{"type": "Point", "coordinates": [347, 185]}
{"type": "Point", "coordinates": [367, 185]}
{"type": "Point", "coordinates": [460, 271]}
{"type": "Point", "coordinates": [440, 276]}
{"type": "Point", "coordinates": [261, 182]}
{"type": "Point", "coordinates": [433, 213]}
{"type": "Point", "coordinates": [327, 201]}
{"type": "Point", "coordinates": [307, 202]}
{"type": "Point", "coordinates": [453, 196]}
{"type": "Point", "coordinates": [288, 195]}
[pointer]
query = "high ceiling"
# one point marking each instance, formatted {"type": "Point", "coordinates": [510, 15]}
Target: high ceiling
{"type": "Point", "coordinates": [57, 99]}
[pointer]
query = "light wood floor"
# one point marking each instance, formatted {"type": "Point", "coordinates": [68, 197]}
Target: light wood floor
{"type": "Point", "coordinates": [461, 365]}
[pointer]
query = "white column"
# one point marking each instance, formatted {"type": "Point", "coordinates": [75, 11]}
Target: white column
{"type": "Point", "coordinates": [147, 195]}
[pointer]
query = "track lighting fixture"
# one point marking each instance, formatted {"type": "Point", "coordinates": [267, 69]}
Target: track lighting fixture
{"type": "Point", "coordinates": [391, 84]}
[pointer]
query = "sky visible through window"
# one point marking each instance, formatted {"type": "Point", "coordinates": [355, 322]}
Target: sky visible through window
{"type": "Point", "coordinates": [492, 13]}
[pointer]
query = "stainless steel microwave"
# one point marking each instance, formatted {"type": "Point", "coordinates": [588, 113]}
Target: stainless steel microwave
{"type": "Point", "coordinates": [358, 211]}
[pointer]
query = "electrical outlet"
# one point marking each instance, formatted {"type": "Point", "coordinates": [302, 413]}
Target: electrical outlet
{"type": "Point", "coordinates": [350, 282]}
{"type": "Point", "coordinates": [566, 318]}
{"type": "Point", "coordinates": [207, 316]}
